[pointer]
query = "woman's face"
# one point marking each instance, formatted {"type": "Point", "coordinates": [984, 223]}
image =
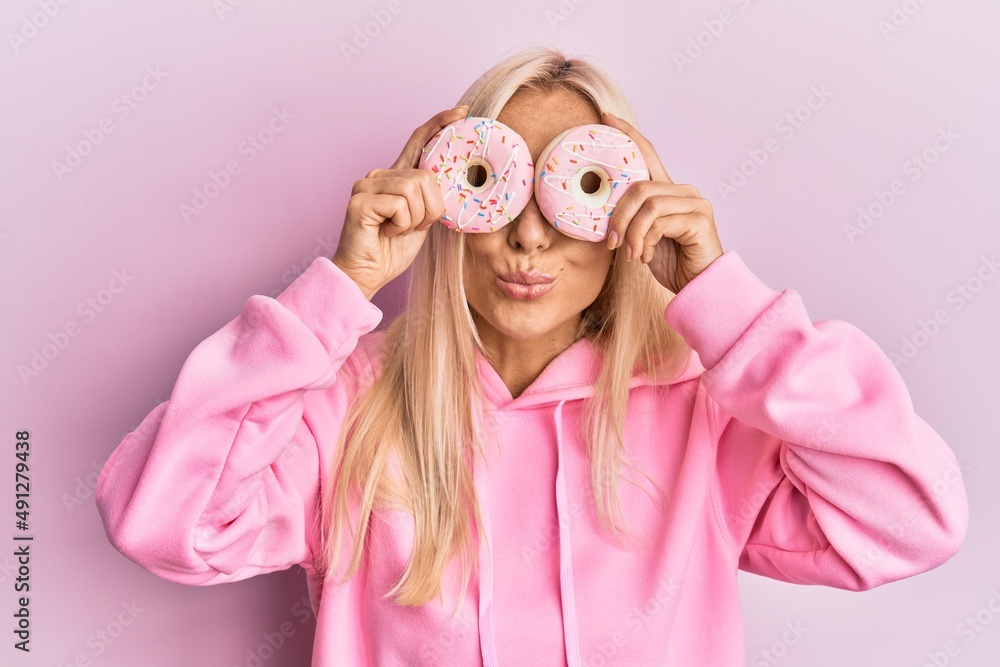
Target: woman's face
{"type": "Point", "coordinates": [529, 243]}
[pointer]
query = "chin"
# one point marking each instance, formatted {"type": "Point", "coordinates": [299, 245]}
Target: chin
{"type": "Point", "coordinates": [516, 325]}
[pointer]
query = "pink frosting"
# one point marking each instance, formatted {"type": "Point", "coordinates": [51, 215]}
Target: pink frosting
{"type": "Point", "coordinates": [597, 148]}
{"type": "Point", "coordinates": [509, 173]}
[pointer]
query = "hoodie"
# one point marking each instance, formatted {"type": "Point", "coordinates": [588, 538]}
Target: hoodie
{"type": "Point", "coordinates": [785, 448]}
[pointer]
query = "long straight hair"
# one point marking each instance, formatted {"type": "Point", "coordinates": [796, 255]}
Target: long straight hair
{"type": "Point", "coordinates": [425, 409]}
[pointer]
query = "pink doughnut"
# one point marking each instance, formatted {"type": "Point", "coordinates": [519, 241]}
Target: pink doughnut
{"type": "Point", "coordinates": [484, 170]}
{"type": "Point", "coordinates": [573, 201]}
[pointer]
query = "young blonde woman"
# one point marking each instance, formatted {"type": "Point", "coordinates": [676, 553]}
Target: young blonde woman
{"type": "Point", "coordinates": [573, 479]}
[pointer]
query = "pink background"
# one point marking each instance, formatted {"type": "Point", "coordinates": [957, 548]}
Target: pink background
{"type": "Point", "coordinates": [64, 235]}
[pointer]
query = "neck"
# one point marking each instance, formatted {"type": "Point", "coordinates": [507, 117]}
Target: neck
{"type": "Point", "coordinates": [519, 361]}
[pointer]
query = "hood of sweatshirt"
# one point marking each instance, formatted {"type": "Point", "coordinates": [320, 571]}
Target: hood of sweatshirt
{"type": "Point", "coordinates": [569, 376]}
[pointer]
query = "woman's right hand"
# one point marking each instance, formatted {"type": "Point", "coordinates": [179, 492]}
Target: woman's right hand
{"type": "Point", "coordinates": [390, 211]}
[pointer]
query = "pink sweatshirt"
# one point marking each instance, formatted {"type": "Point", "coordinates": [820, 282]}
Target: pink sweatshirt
{"type": "Point", "coordinates": [796, 455]}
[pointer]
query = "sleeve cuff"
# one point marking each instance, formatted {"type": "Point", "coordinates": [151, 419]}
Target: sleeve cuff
{"type": "Point", "coordinates": [330, 303]}
{"type": "Point", "coordinates": [717, 307]}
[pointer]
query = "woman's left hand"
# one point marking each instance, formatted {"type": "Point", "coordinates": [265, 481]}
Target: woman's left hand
{"type": "Point", "coordinates": [669, 226]}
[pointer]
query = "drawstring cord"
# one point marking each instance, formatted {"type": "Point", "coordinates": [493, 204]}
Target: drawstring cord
{"type": "Point", "coordinates": [570, 634]}
{"type": "Point", "coordinates": [487, 638]}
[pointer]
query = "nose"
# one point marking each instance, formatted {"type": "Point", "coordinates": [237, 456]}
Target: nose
{"type": "Point", "coordinates": [530, 230]}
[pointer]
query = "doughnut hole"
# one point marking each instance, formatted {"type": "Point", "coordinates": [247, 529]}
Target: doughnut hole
{"type": "Point", "coordinates": [590, 183]}
{"type": "Point", "coordinates": [477, 176]}
{"type": "Point", "coordinates": [593, 185]}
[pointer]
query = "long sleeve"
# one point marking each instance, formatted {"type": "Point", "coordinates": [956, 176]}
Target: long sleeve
{"type": "Point", "coordinates": [824, 474]}
{"type": "Point", "coordinates": [221, 482]}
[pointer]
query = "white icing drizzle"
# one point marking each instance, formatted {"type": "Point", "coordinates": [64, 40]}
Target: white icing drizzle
{"type": "Point", "coordinates": [566, 218]}
{"type": "Point", "coordinates": [484, 143]}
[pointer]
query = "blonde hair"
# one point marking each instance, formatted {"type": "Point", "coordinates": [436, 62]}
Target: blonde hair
{"type": "Point", "coordinates": [425, 406]}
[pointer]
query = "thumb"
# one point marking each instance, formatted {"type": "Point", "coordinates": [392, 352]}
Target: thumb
{"type": "Point", "coordinates": [409, 157]}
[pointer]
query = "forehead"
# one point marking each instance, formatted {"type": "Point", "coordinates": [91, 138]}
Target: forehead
{"type": "Point", "coordinates": [540, 116]}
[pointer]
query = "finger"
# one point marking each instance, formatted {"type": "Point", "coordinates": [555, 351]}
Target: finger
{"type": "Point", "coordinates": [633, 200]}
{"type": "Point", "coordinates": [406, 183]}
{"type": "Point", "coordinates": [409, 157]}
{"type": "Point", "coordinates": [429, 193]}
{"type": "Point", "coordinates": [653, 209]}
{"type": "Point", "coordinates": [677, 227]}
{"type": "Point", "coordinates": [433, 198]}
{"type": "Point", "coordinates": [379, 209]}
{"type": "Point", "coordinates": [656, 169]}
{"type": "Point", "coordinates": [422, 186]}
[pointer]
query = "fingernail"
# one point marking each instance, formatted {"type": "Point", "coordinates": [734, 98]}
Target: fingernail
{"type": "Point", "coordinates": [628, 252]}
{"type": "Point", "coordinates": [612, 240]}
